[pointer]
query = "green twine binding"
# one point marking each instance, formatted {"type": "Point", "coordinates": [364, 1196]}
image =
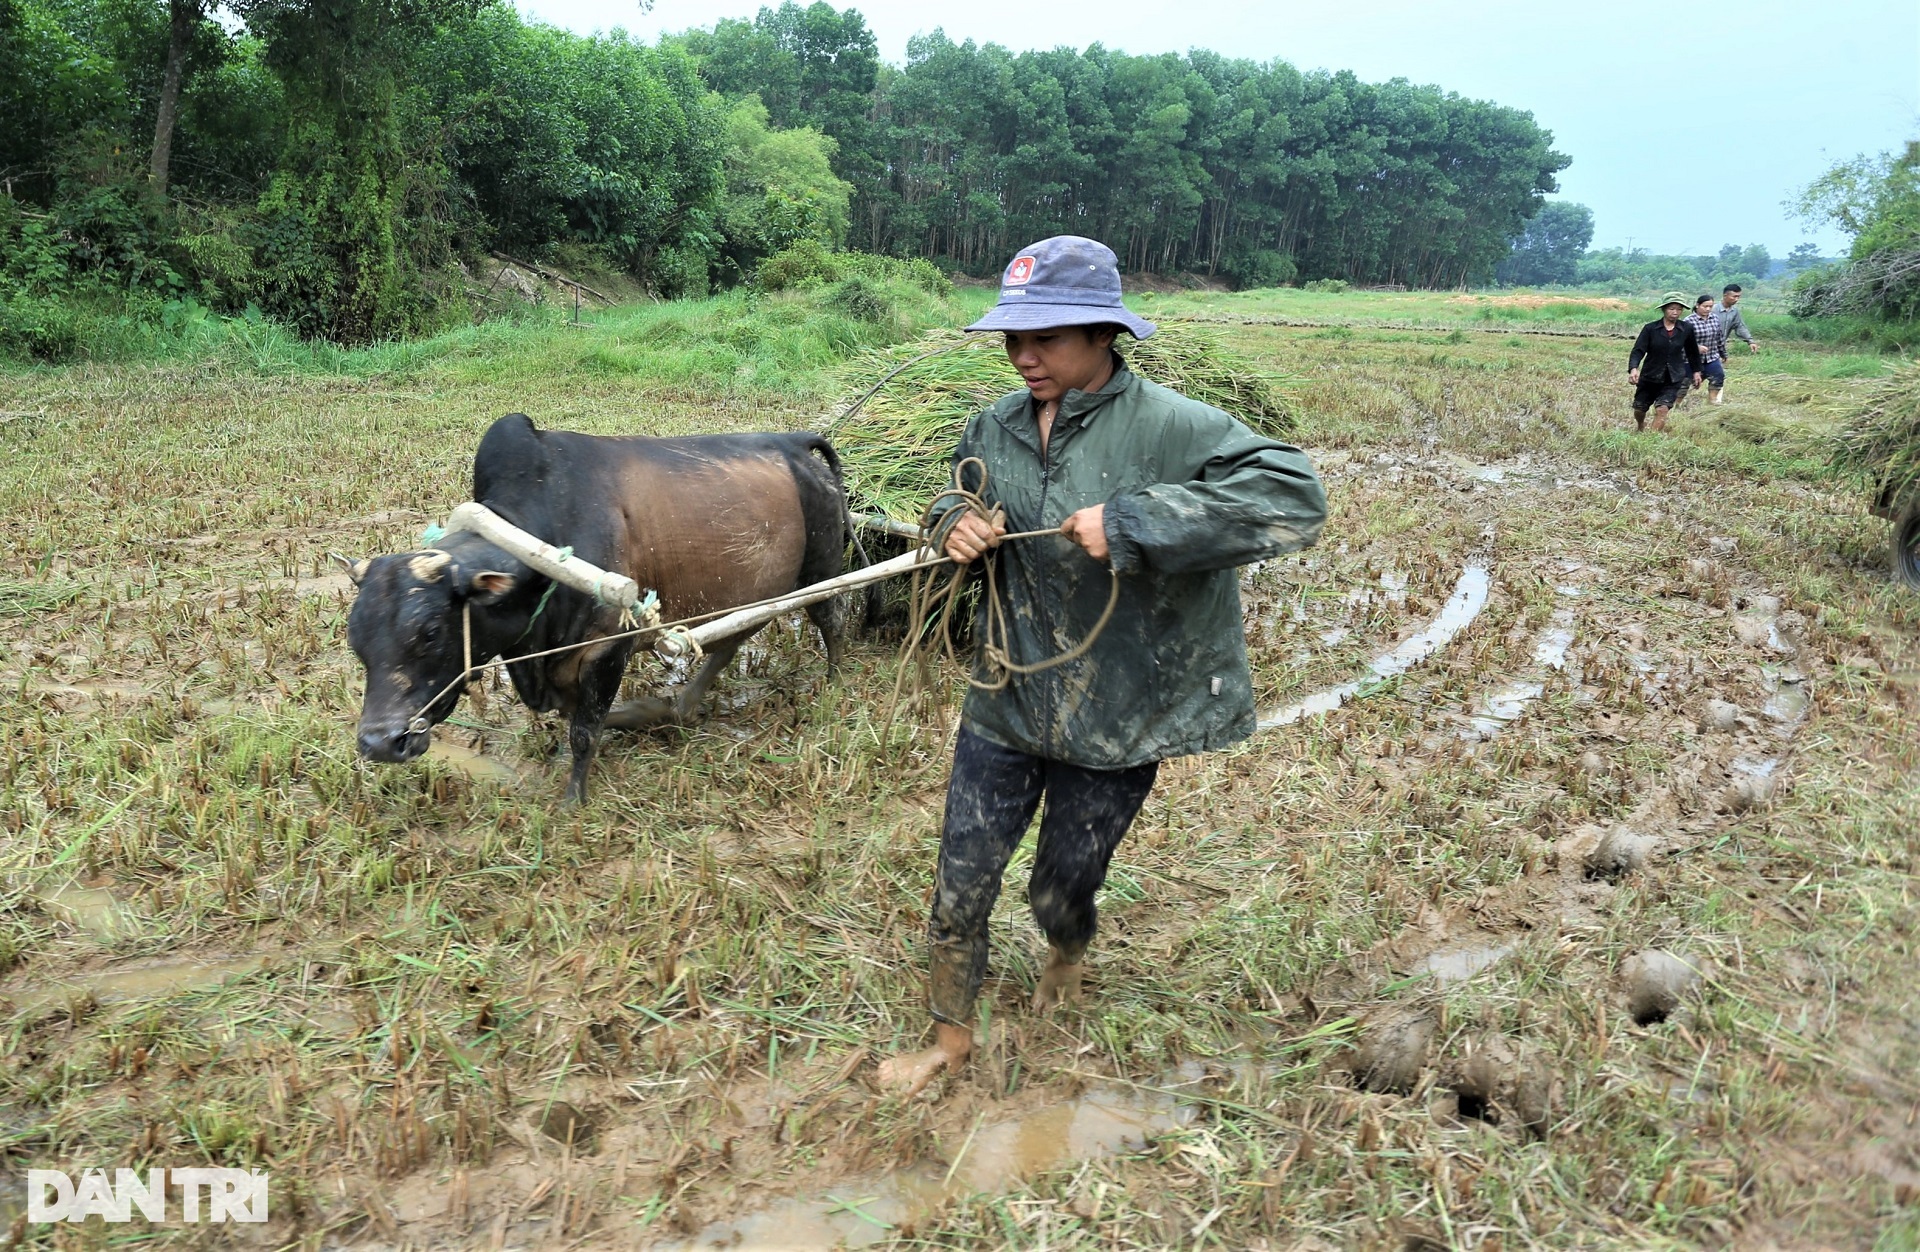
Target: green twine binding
{"type": "Point", "coordinates": [538, 609]}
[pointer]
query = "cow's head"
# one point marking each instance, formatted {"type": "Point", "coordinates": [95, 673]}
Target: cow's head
{"type": "Point", "coordinates": [406, 629]}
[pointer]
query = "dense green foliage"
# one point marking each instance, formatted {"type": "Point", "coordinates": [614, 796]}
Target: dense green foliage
{"type": "Point", "coordinates": [344, 167]}
{"type": "Point", "coordinates": [1257, 172]}
{"type": "Point", "coordinates": [1638, 271]}
{"type": "Point", "coordinates": [1876, 201]}
{"type": "Point", "coordinates": [1550, 248]}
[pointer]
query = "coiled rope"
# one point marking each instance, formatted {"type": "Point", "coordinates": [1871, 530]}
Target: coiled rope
{"type": "Point", "coordinates": [932, 603]}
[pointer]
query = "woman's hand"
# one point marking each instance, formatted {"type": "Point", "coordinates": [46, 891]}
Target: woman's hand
{"type": "Point", "coordinates": [1633, 376]}
{"type": "Point", "coordinates": [972, 536]}
{"type": "Point", "coordinates": [1088, 528]}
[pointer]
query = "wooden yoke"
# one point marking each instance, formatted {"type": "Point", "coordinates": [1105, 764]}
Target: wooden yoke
{"type": "Point", "coordinates": [558, 564]}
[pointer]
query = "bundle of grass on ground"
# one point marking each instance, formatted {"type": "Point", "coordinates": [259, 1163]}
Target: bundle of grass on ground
{"type": "Point", "coordinates": [895, 441]}
{"type": "Point", "coordinates": [1880, 442]}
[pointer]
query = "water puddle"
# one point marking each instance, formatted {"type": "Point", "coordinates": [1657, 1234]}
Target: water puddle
{"type": "Point", "coordinates": [475, 765]}
{"type": "Point", "coordinates": [1787, 700]}
{"type": "Point", "coordinates": [152, 981]}
{"type": "Point", "coordinates": [338, 583]}
{"type": "Point", "coordinates": [1452, 965]}
{"type": "Point", "coordinates": [1105, 1120]}
{"type": "Point", "coordinates": [95, 910]}
{"type": "Point", "coordinates": [1468, 598]}
{"type": "Point", "coordinates": [1501, 708]}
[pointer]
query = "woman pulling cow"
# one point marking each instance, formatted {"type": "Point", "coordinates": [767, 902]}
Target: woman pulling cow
{"type": "Point", "coordinates": [1171, 495]}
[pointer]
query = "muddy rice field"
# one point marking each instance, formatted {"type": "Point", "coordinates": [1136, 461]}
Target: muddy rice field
{"type": "Point", "coordinates": [1564, 900]}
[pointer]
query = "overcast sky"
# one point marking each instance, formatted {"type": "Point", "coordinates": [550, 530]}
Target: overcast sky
{"type": "Point", "coordinates": [1760, 96]}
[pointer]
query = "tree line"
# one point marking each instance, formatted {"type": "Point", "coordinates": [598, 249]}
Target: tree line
{"type": "Point", "coordinates": [1254, 171]}
{"type": "Point", "coordinates": [1553, 250]}
{"type": "Point", "coordinates": [341, 164]}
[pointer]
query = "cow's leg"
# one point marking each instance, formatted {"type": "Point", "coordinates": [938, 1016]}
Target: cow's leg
{"type": "Point", "coordinates": [823, 507]}
{"type": "Point", "coordinates": [599, 683]}
{"type": "Point", "coordinates": [684, 706]}
{"type": "Point", "coordinates": [830, 618]}
{"type": "Point", "coordinates": [686, 701]}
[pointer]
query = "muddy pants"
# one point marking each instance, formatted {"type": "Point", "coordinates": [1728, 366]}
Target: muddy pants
{"type": "Point", "coordinates": [990, 801]}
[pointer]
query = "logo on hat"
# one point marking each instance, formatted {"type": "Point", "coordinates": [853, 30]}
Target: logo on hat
{"type": "Point", "coordinates": [1020, 271]}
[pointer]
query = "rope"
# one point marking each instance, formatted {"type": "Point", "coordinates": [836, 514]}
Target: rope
{"type": "Point", "coordinates": [927, 599]}
{"type": "Point", "coordinates": [933, 604]}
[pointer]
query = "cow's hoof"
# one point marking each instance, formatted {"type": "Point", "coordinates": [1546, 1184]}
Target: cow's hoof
{"type": "Point", "coordinates": [640, 714]}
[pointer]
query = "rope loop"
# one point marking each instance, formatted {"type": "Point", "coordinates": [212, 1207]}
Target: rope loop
{"type": "Point", "coordinates": [932, 607]}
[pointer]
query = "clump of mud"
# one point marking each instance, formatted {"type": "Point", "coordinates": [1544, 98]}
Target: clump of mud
{"type": "Point", "coordinates": [1720, 716]}
{"type": "Point", "coordinates": [1753, 786]}
{"type": "Point", "coordinates": [566, 1124]}
{"type": "Point", "coordinates": [1392, 1052]}
{"type": "Point", "coordinates": [1498, 1085]}
{"type": "Point", "coordinates": [1618, 852]}
{"type": "Point", "coordinates": [1657, 982]}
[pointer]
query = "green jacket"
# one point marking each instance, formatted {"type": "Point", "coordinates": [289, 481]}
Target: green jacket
{"type": "Point", "coordinates": [1191, 493]}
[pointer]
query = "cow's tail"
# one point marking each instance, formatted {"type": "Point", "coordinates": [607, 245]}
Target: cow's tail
{"type": "Point", "coordinates": [874, 596]}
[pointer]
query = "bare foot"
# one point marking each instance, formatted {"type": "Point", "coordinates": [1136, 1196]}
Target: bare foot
{"type": "Point", "coordinates": [909, 1074]}
{"type": "Point", "coordinates": [1059, 982]}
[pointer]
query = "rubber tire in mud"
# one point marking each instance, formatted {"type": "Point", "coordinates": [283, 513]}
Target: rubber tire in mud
{"type": "Point", "coordinates": [1906, 545]}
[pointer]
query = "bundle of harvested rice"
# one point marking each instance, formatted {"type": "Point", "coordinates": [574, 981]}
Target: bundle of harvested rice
{"type": "Point", "coordinates": [895, 444]}
{"type": "Point", "coordinates": [1879, 443]}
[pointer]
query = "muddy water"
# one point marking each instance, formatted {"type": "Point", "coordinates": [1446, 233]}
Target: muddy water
{"type": "Point", "coordinates": [475, 765]}
{"type": "Point", "coordinates": [1468, 598]}
{"type": "Point", "coordinates": [1500, 708]}
{"type": "Point", "coordinates": [1107, 1119]}
{"type": "Point", "coordinates": [150, 981]}
{"type": "Point", "coordinates": [95, 910]}
{"type": "Point", "coordinates": [1787, 700]}
{"type": "Point", "coordinates": [1457, 964]}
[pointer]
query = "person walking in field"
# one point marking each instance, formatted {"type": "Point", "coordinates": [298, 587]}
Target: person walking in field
{"type": "Point", "coordinates": [1166, 493]}
{"type": "Point", "coordinates": [1713, 345]}
{"type": "Point", "coordinates": [1732, 326]}
{"type": "Point", "coordinates": [1671, 359]}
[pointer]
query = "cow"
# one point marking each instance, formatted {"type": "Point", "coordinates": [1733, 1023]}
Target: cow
{"type": "Point", "coordinates": [709, 522]}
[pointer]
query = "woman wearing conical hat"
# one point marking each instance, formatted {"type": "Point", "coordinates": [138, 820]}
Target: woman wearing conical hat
{"type": "Point", "coordinates": [1664, 364]}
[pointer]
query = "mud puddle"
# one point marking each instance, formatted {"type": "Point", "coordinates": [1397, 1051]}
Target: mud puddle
{"type": "Point", "coordinates": [1468, 598]}
{"type": "Point", "coordinates": [95, 910]}
{"type": "Point", "coordinates": [1107, 1119]}
{"type": "Point", "coordinates": [1787, 700]}
{"type": "Point", "coordinates": [475, 765]}
{"type": "Point", "coordinates": [153, 980]}
{"type": "Point", "coordinates": [1459, 963]}
{"type": "Point", "coordinates": [1501, 708]}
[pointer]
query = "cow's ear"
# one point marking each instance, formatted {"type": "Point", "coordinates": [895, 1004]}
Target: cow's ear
{"type": "Point", "coordinates": [490, 584]}
{"type": "Point", "coordinates": [356, 570]}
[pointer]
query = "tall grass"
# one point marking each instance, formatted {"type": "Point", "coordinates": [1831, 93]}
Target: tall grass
{"type": "Point", "coordinates": [740, 340]}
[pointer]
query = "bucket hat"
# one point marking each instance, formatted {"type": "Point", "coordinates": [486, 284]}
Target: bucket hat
{"type": "Point", "coordinates": [1675, 297]}
{"type": "Point", "coordinates": [1063, 281]}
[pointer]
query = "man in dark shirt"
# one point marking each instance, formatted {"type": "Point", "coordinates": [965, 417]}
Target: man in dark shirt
{"type": "Point", "coordinates": [1665, 363]}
